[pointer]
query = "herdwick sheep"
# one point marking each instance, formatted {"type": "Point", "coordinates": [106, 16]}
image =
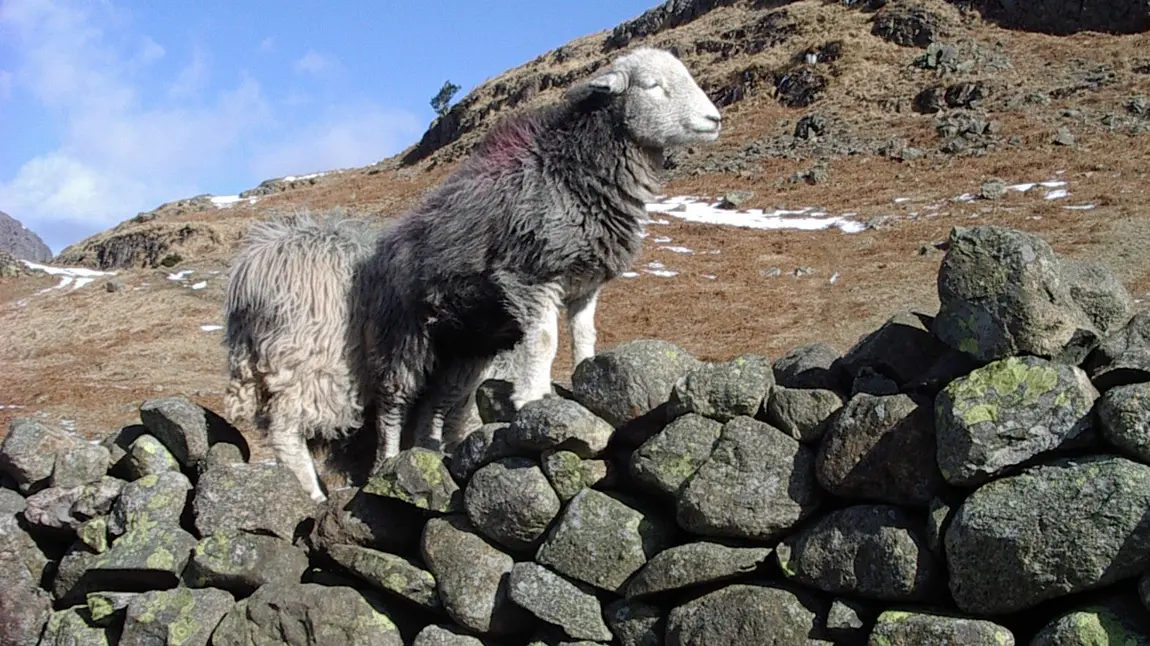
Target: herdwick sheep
{"type": "Point", "coordinates": [549, 208]}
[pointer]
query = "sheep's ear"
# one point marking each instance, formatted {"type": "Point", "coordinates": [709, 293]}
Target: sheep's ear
{"type": "Point", "coordinates": [611, 82]}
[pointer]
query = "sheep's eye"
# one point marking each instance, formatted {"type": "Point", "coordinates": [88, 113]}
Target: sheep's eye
{"type": "Point", "coordinates": [648, 82]}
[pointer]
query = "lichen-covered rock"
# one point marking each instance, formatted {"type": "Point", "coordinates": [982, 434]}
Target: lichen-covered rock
{"type": "Point", "coordinates": [1068, 526]}
{"type": "Point", "coordinates": [69, 628]}
{"type": "Point", "coordinates": [482, 446]}
{"type": "Point", "coordinates": [801, 412]}
{"type": "Point", "coordinates": [555, 423]}
{"type": "Point", "coordinates": [865, 551]}
{"type": "Point", "coordinates": [263, 498]}
{"type": "Point", "coordinates": [882, 449]}
{"type": "Point", "coordinates": [693, 564]}
{"type": "Point", "coordinates": [71, 568]}
{"type": "Point", "coordinates": [1007, 412]}
{"type": "Point", "coordinates": [418, 477]}
{"type": "Point", "coordinates": [28, 453]}
{"type": "Point", "coordinates": [305, 614]}
{"type": "Point", "coordinates": [845, 622]}
{"type": "Point", "coordinates": [352, 517]}
{"type": "Point", "coordinates": [1123, 357]}
{"type": "Point", "coordinates": [1113, 620]}
{"type": "Point", "coordinates": [511, 502]}
{"type": "Point", "coordinates": [152, 499]}
{"type": "Point", "coordinates": [901, 350]}
{"type": "Point", "coordinates": [119, 443]}
{"type": "Point", "coordinates": [602, 539]}
{"type": "Point", "coordinates": [24, 606]}
{"type": "Point", "coordinates": [1098, 292]}
{"type": "Point", "coordinates": [900, 628]}
{"type": "Point", "coordinates": [743, 614]}
{"type": "Point", "coordinates": [148, 557]}
{"type": "Point", "coordinates": [108, 608]}
{"type": "Point", "coordinates": [1002, 294]}
{"type": "Point", "coordinates": [148, 456]}
{"type": "Point", "coordinates": [723, 391]}
{"type": "Point", "coordinates": [187, 429]}
{"type": "Point", "coordinates": [908, 26]}
{"type": "Point", "coordinates": [16, 546]}
{"type": "Point", "coordinates": [558, 601]}
{"type": "Point", "coordinates": [240, 562]}
{"type": "Point", "coordinates": [434, 635]}
{"type": "Point", "coordinates": [389, 573]}
{"type": "Point", "coordinates": [79, 465]}
{"type": "Point", "coordinates": [665, 462]}
{"type": "Point", "coordinates": [635, 623]}
{"type": "Point", "coordinates": [98, 498]}
{"type": "Point", "coordinates": [471, 576]}
{"type": "Point", "coordinates": [1124, 413]}
{"type": "Point", "coordinates": [94, 534]}
{"type": "Point", "coordinates": [815, 365]}
{"type": "Point", "coordinates": [179, 617]}
{"type": "Point", "coordinates": [628, 385]}
{"type": "Point", "coordinates": [569, 474]}
{"type": "Point", "coordinates": [756, 484]}
{"type": "Point", "coordinates": [223, 454]}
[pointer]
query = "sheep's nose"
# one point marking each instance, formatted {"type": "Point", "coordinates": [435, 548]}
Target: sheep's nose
{"type": "Point", "coordinates": [717, 119]}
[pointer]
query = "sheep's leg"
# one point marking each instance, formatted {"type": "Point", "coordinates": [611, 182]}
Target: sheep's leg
{"type": "Point", "coordinates": [581, 321]}
{"type": "Point", "coordinates": [443, 413]}
{"type": "Point", "coordinates": [540, 344]}
{"type": "Point", "coordinates": [394, 398]}
{"type": "Point", "coordinates": [291, 450]}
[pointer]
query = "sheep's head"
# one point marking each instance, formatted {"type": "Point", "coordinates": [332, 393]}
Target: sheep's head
{"type": "Point", "coordinates": [663, 105]}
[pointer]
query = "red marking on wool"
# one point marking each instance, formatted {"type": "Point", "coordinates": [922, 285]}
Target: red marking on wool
{"type": "Point", "coordinates": [505, 145]}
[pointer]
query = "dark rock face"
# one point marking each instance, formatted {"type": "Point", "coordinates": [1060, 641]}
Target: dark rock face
{"type": "Point", "coordinates": [1063, 17]}
{"type": "Point", "coordinates": [22, 242]}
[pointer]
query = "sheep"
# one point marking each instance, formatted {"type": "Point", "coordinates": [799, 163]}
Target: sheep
{"type": "Point", "coordinates": [548, 208]}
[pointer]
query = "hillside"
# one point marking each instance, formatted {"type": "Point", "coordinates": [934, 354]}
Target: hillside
{"type": "Point", "coordinates": [906, 119]}
{"type": "Point", "coordinates": [20, 241]}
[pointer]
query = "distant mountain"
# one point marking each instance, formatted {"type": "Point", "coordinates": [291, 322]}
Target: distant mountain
{"type": "Point", "coordinates": [22, 242]}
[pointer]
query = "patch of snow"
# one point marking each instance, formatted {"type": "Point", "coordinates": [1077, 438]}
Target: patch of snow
{"type": "Point", "coordinates": [10, 406]}
{"type": "Point", "coordinates": [1021, 188]}
{"type": "Point", "coordinates": [228, 201]}
{"type": "Point", "coordinates": [693, 209]}
{"type": "Point", "coordinates": [834, 278]}
{"type": "Point", "coordinates": [1079, 207]}
{"type": "Point", "coordinates": [200, 285]}
{"type": "Point", "coordinates": [211, 328]}
{"type": "Point", "coordinates": [710, 276]}
{"type": "Point", "coordinates": [1057, 194]}
{"type": "Point", "coordinates": [665, 273]}
{"type": "Point", "coordinates": [661, 240]}
{"type": "Point", "coordinates": [965, 197]}
{"type": "Point", "coordinates": [900, 200]}
{"type": "Point", "coordinates": [677, 249]}
{"type": "Point", "coordinates": [180, 275]}
{"type": "Point", "coordinates": [630, 274]}
{"type": "Point", "coordinates": [293, 178]}
{"type": "Point", "coordinates": [77, 272]}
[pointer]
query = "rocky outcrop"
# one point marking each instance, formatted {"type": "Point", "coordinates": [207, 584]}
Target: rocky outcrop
{"type": "Point", "coordinates": [20, 241]}
{"type": "Point", "coordinates": [939, 482]}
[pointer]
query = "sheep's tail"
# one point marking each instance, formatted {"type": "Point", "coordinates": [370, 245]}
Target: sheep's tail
{"type": "Point", "coordinates": [285, 318]}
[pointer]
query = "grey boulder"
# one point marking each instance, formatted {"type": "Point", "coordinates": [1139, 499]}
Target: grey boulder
{"type": "Point", "coordinates": [306, 614]}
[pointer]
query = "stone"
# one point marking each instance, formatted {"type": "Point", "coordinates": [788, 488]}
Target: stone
{"type": "Point", "coordinates": [94, 534]}
{"type": "Point", "coordinates": [734, 199]}
{"type": "Point", "coordinates": [569, 474]}
{"type": "Point", "coordinates": [306, 614]}
{"type": "Point", "coordinates": [28, 452]}
{"type": "Point", "coordinates": [179, 617]}
{"type": "Point", "coordinates": [757, 484]}
{"type": "Point", "coordinates": [152, 499]}
{"type": "Point", "coordinates": [908, 26]}
{"type": "Point", "coordinates": [223, 454]}
{"type": "Point", "coordinates": [148, 456]}
{"type": "Point", "coordinates": [635, 623]}
{"type": "Point", "coordinates": [98, 498]}
{"type": "Point", "coordinates": [602, 539]}
{"type": "Point", "coordinates": [11, 502]}
{"type": "Point", "coordinates": [1002, 294]}
{"type": "Point", "coordinates": [1039, 535]}
{"type": "Point", "coordinates": [1114, 620]}
{"type": "Point", "coordinates": [723, 391]}
{"type": "Point", "coordinates": [108, 608]}
{"type": "Point", "coordinates": [554, 423]}
{"type": "Point", "coordinates": [434, 635]}
{"type": "Point", "coordinates": [69, 628]}
{"type": "Point", "coordinates": [512, 503]}
{"type": "Point", "coordinates": [482, 446]}
{"type": "Point", "coordinates": [352, 517]}
{"type": "Point", "coordinates": [119, 443]}
{"type": "Point", "coordinates": [262, 498]}
{"type": "Point", "coordinates": [1122, 358]}
{"type": "Point", "coordinates": [937, 520]}
{"type": "Point", "coordinates": [471, 576]}
{"type": "Point", "coordinates": [846, 623]}
{"type": "Point", "coordinates": [79, 465]}
{"type": "Point", "coordinates": [815, 365]}
{"type": "Point", "coordinates": [865, 551]}
{"type": "Point", "coordinates": [1124, 416]}
{"type": "Point", "coordinates": [24, 607]}
{"type": "Point", "coordinates": [694, 564]}
{"type": "Point", "coordinates": [51, 509]}
{"type": "Point", "coordinates": [881, 448]}
{"type": "Point", "coordinates": [743, 614]}
{"type": "Point", "coordinates": [18, 547]}
{"type": "Point", "coordinates": [900, 350]}
{"type": "Point", "coordinates": [628, 385]}
{"type": "Point", "coordinates": [665, 462]}
{"type": "Point", "coordinates": [187, 429]}
{"type": "Point", "coordinates": [494, 402]}
{"type": "Point", "coordinates": [1006, 413]}
{"type": "Point", "coordinates": [394, 575]}
{"type": "Point", "coordinates": [1095, 289]}
{"type": "Point", "coordinates": [240, 562]}
{"type": "Point", "coordinates": [558, 601]}
{"type": "Point", "coordinates": [801, 412]}
{"type": "Point", "coordinates": [1144, 589]}
{"type": "Point", "coordinates": [72, 567]}
{"type": "Point", "coordinates": [418, 477]}
{"type": "Point", "coordinates": [1064, 137]}
{"type": "Point", "coordinates": [900, 628]}
{"type": "Point", "coordinates": [992, 189]}
{"type": "Point", "coordinates": [147, 557]}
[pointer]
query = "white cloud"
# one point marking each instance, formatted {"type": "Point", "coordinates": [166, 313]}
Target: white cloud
{"type": "Point", "coordinates": [150, 51]}
{"type": "Point", "coordinates": [313, 62]}
{"type": "Point", "coordinates": [193, 78]}
{"type": "Point", "coordinates": [354, 136]}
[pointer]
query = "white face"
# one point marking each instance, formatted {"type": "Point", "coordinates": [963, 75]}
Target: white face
{"type": "Point", "coordinates": [664, 105]}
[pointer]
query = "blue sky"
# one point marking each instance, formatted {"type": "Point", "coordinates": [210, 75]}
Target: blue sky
{"type": "Point", "coordinates": [112, 107]}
